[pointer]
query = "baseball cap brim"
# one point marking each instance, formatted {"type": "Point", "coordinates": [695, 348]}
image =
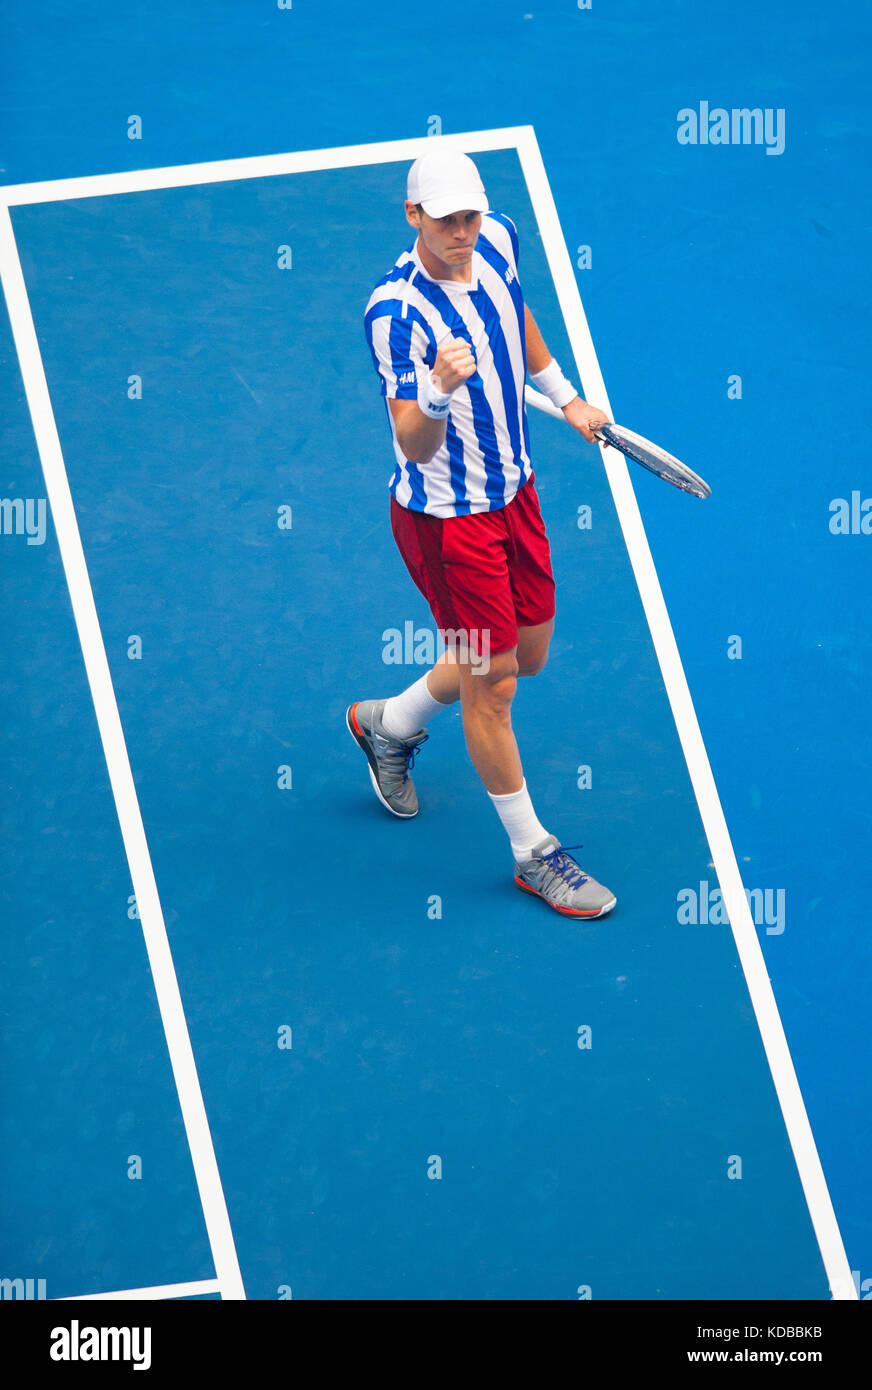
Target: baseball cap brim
{"type": "Point", "coordinates": [468, 201]}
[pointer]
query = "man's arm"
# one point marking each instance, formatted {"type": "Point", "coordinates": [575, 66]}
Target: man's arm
{"type": "Point", "coordinates": [578, 413]}
{"type": "Point", "coordinates": [538, 355]}
{"type": "Point", "coordinates": [418, 434]}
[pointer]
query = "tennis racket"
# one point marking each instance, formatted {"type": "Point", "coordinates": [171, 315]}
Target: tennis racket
{"type": "Point", "coordinates": [635, 447]}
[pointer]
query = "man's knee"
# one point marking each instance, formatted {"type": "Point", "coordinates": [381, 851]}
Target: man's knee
{"type": "Point", "coordinates": [493, 686]}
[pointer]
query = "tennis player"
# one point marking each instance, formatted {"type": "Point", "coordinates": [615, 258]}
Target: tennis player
{"type": "Point", "coordinates": [452, 341]}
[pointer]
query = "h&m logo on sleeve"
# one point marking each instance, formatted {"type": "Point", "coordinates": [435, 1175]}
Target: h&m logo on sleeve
{"type": "Point", "coordinates": [75, 1343]}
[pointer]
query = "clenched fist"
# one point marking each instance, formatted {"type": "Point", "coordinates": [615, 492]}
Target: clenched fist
{"type": "Point", "coordinates": [454, 364]}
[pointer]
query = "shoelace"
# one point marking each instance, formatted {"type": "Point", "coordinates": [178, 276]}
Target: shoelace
{"type": "Point", "coordinates": [407, 754]}
{"type": "Point", "coordinates": [559, 862]}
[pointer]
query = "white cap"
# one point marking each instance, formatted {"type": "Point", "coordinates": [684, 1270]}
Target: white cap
{"type": "Point", "coordinates": [443, 181]}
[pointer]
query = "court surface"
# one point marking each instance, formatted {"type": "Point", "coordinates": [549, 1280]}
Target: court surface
{"type": "Point", "coordinates": [265, 1040]}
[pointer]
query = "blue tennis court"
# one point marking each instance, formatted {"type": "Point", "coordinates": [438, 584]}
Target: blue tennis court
{"type": "Point", "coordinates": [260, 1039]}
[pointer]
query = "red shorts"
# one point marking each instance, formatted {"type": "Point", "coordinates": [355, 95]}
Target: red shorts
{"type": "Point", "coordinates": [488, 572]}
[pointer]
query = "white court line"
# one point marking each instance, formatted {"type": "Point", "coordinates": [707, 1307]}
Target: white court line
{"type": "Point", "coordinates": [118, 766]}
{"type": "Point", "coordinates": [523, 139]}
{"type": "Point", "coordinates": [153, 1291]}
{"type": "Point", "coordinates": [252, 167]}
{"type": "Point", "coordinates": [714, 823]}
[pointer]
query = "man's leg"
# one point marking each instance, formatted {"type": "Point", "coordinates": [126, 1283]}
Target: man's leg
{"type": "Point", "coordinates": [413, 708]}
{"type": "Point", "coordinates": [533, 643]}
{"type": "Point", "coordinates": [486, 703]}
{"type": "Point", "coordinates": [441, 685]}
{"type": "Point", "coordinates": [404, 715]}
{"type": "Point", "coordinates": [542, 867]}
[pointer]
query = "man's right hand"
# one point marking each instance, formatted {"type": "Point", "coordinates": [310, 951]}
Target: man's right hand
{"type": "Point", "coordinates": [454, 364]}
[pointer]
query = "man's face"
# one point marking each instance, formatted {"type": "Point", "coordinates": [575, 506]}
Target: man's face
{"type": "Point", "coordinates": [450, 239]}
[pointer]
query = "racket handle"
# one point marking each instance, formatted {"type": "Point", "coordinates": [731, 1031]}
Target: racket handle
{"type": "Point", "coordinates": [541, 402]}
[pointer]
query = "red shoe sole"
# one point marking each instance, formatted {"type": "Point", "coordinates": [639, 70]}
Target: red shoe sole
{"type": "Point", "coordinates": [565, 911]}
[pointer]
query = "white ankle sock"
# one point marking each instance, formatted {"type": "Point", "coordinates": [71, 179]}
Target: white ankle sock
{"type": "Point", "coordinates": [519, 822]}
{"type": "Point", "coordinates": [404, 714]}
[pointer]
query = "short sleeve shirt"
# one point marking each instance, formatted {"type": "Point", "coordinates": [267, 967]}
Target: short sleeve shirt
{"type": "Point", "coordinates": [485, 457]}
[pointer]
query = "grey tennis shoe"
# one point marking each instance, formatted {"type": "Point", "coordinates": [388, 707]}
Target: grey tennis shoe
{"type": "Point", "coordinates": [390, 759]}
{"type": "Point", "coordinates": [552, 873]}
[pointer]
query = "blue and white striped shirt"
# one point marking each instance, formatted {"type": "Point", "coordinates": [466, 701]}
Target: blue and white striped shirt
{"type": "Point", "coordinates": [485, 456]}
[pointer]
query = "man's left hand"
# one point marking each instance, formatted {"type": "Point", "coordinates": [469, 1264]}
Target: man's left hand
{"type": "Point", "coordinates": [581, 416]}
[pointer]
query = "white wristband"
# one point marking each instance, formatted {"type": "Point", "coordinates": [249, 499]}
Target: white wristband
{"type": "Point", "coordinates": [553, 384]}
{"type": "Point", "coordinates": [430, 401]}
